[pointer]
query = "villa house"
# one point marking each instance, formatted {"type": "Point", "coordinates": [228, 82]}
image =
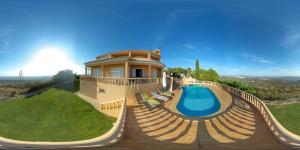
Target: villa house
{"type": "Point", "coordinates": [122, 74]}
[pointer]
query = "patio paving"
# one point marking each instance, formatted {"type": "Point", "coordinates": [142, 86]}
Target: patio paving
{"type": "Point", "coordinates": [238, 127]}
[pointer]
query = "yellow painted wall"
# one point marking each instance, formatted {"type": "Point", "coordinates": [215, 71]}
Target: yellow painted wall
{"type": "Point", "coordinates": [110, 92]}
{"type": "Point", "coordinates": [89, 88]}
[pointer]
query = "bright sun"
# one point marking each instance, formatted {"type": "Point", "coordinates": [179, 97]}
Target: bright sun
{"type": "Point", "coordinates": [49, 61]}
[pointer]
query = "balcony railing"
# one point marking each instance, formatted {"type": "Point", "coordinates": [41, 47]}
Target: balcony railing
{"type": "Point", "coordinates": [122, 81]}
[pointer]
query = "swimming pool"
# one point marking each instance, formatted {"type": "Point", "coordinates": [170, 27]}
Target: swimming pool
{"type": "Point", "coordinates": [198, 101]}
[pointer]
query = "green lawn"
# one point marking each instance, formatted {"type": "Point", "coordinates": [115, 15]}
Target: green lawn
{"type": "Point", "coordinates": [288, 116]}
{"type": "Point", "coordinates": [55, 115]}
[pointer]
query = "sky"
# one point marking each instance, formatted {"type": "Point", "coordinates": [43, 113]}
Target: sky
{"type": "Point", "coordinates": [256, 38]}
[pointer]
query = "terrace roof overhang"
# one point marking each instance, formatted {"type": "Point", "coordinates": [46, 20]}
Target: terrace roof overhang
{"type": "Point", "coordinates": [121, 60]}
{"type": "Point", "coordinates": [132, 51]}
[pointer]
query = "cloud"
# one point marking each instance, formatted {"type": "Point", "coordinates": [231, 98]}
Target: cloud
{"type": "Point", "coordinates": [255, 58]}
{"type": "Point", "coordinates": [292, 38]}
{"type": "Point", "coordinates": [189, 46]}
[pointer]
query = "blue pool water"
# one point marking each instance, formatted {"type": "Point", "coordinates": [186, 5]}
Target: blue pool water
{"type": "Point", "coordinates": [198, 101]}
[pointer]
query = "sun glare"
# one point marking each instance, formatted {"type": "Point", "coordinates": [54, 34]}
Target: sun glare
{"type": "Point", "coordinates": [49, 61]}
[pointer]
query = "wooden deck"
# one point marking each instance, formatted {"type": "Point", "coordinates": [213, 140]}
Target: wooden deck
{"type": "Point", "coordinates": [238, 127]}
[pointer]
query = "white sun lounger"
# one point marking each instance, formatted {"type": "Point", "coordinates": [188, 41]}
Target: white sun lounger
{"type": "Point", "coordinates": [156, 95]}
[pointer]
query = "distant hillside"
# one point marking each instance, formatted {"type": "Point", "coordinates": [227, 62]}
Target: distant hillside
{"type": "Point", "coordinates": [271, 88]}
{"type": "Point", "coordinates": [285, 78]}
{"type": "Point", "coordinates": [26, 78]}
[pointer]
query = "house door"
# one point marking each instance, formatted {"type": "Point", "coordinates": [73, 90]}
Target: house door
{"type": "Point", "coordinates": [139, 73]}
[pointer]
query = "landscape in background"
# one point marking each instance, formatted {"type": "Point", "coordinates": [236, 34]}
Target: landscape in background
{"type": "Point", "coordinates": [14, 86]}
{"type": "Point", "coordinates": [272, 89]}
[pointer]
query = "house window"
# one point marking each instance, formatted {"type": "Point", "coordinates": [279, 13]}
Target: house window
{"type": "Point", "coordinates": [96, 72]}
{"type": "Point", "coordinates": [117, 72]}
{"type": "Point", "coordinates": [88, 71]}
{"type": "Point", "coordinates": [154, 73]}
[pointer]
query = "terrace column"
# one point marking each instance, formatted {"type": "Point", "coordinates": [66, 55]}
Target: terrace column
{"type": "Point", "coordinates": [149, 56]}
{"type": "Point", "coordinates": [149, 71]}
{"type": "Point", "coordinates": [102, 70]}
{"type": "Point", "coordinates": [171, 85]}
{"type": "Point", "coordinates": [126, 70]}
{"type": "Point", "coordinates": [85, 70]}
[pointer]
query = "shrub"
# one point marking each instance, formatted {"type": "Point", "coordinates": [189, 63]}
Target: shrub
{"type": "Point", "coordinates": [240, 85]}
{"type": "Point", "coordinates": [38, 85]}
{"type": "Point", "coordinates": [76, 82]}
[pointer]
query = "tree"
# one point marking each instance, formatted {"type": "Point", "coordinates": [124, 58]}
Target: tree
{"type": "Point", "coordinates": [177, 72]}
{"type": "Point", "coordinates": [214, 76]}
{"type": "Point", "coordinates": [21, 76]}
{"type": "Point", "coordinates": [63, 76]}
{"type": "Point", "coordinates": [197, 70]}
{"type": "Point", "coordinates": [210, 75]}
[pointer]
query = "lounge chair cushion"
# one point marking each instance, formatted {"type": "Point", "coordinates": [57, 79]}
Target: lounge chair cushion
{"type": "Point", "coordinates": [160, 97]}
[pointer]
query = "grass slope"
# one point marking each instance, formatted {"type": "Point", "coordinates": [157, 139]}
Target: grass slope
{"type": "Point", "coordinates": [55, 115]}
{"type": "Point", "coordinates": [288, 116]}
